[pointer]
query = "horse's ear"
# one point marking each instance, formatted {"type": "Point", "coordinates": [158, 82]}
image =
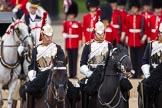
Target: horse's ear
{"type": "Point", "coordinates": [13, 19]}
{"type": "Point", "coordinates": [65, 61]}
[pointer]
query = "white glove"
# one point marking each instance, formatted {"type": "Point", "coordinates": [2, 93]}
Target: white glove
{"type": "Point", "coordinates": [20, 49]}
{"type": "Point", "coordinates": [84, 70]}
{"type": "Point", "coordinates": [32, 75]}
{"type": "Point", "coordinates": [146, 70]}
{"type": "Point", "coordinates": [126, 40]}
{"type": "Point", "coordinates": [15, 9]}
{"type": "Point", "coordinates": [65, 35]}
{"type": "Point", "coordinates": [89, 73]}
{"type": "Point", "coordinates": [122, 36]}
{"type": "Point", "coordinates": [144, 37]}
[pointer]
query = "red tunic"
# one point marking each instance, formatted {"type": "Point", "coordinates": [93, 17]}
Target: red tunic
{"type": "Point", "coordinates": [134, 29]}
{"type": "Point", "coordinates": [22, 3]}
{"type": "Point", "coordinates": [147, 16]}
{"type": "Point", "coordinates": [109, 33]}
{"type": "Point", "coordinates": [74, 31]}
{"type": "Point", "coordinates": [89, 22]}
{"type": "Point", "coordinates": [154, 23]}
{"type": "Point", "coordinates": [116, 23]}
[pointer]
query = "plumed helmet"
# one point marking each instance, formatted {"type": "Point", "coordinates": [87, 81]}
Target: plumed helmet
{"type": "Point", "coordinates": [73, 9]}
{"type": "Point", "coordinates": [145, 2]}
{"type": "Point", "coordinates": [112, 1]}
{"type": "Point", "coordinates": [34, 3]}
{"type": "Point", "coordinates": [156, 4]}
{"type": "Point", "coordinates": [135, 3]}
{"type": "Point", "coordinates": [92, 3]}
{"type": "Point", "coordinates": [160, 27]}
{"type": "Point", "coordinates": [121, 2]}
{"type": "Point", "coordinates": [99, 27]}
{"type": "Point", "coordinates": [47, 30]}
{"type": "Point", "coordinates": [106, 11]}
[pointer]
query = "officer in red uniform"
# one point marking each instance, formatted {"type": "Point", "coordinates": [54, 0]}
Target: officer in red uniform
{"type": "Point", "coordinates": [123, 13]}
{"type": "Point", "coordinates": [155, 19]}
{"type": "Point", "coordinates": [115, 21]}
{"type": "Point", "coordinates": [90, 19]}
{"type": "Point", "coordinates": [134, 33]}
{"type": "Point", "coordinates": [72, 32]}
{"type": "Point", "coordinates": [147, 13]}
{"type": "Point", "coordinates": [106, 14]}
{"type": "Point", "coordinates": [19, 7]}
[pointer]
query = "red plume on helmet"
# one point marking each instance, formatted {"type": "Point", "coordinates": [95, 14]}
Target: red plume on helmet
{"type": "Point", "coordinates": [43, 23]}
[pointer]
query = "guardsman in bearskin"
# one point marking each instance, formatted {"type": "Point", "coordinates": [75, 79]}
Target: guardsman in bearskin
{"type": "Point", "coordinates": [134, 36]}
{"type": "Point", "coordinates": [155, 19]}
{"type": "Point", "coordinates": [90, 19]}
{"type": "Point", "coordinates": [72, 32]}
{"type": "Point", "coordinates": [94, 53]}
{"type": "Point", "coordinates": [147, 13]}
{"type": "Point", "coordinates": [19, 7]}
{"type": "Point", "coordinates": [32, 17]}
{"type": "Point", "coordinates": [41, 63]}
{"type": "Point", "coordinates": [151, 61]}
{"type": "Point", "coordinates": [123, 13]}
{"type": "Point", "coordinates": [106, 14]}
{"type": "Point", "coordinates": [115, 21]}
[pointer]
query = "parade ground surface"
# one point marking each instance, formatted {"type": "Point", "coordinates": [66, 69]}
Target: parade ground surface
{"type": "Point", "coordinates": [133, 102]}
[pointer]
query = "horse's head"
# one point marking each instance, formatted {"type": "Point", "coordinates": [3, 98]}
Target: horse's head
{"type": "Point", "coordinates": [120, 57]}
{"type": "Point", "coordinates": [21, 33]}
{"type": "Point", "coordinates": [35, 32]}
{"type": "Point", "coordinates": [59, 80]}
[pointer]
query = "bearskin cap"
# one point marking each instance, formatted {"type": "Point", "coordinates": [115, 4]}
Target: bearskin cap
{"type": "Point", "coordinates": [156, 4]}
{"type": "Point", "coordinates": [106, 11]}
{"type": "Point", "coordinates": [135, 3]}
{"type": "Point", "coordinates": [145, 2]}
{"type": "Point", "coordinates": [112, 1]}
{"type": "Point", "coordinates": [92, 3]}
{"type": "Point", "coordinates": [121, 2]}
{"type": "Point", "coordinates": [73, 9]}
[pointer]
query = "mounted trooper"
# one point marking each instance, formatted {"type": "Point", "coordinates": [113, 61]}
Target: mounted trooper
{"type": "Point", "coordinates": [151, 61]}
{"type": "Point", "coordinates": [32, 17]}
{"type": "Point", "coordinates": [41, 62]}
{"type": "Point", "coordinates": [94, 53]}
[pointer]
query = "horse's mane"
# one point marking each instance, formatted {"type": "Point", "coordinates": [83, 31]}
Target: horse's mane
{"type": "Point", "coordinates": [122, 48]}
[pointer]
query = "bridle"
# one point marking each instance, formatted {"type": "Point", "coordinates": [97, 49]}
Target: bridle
{"type": "Point", "coordinates": [54, 89]}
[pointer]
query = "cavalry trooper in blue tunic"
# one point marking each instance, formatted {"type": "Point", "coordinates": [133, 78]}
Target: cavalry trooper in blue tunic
{"type": "Point", "coordinates": [151, 61]}
{"type": "Point", "coordinates": [94, 53]}
{"type": "Point", "coordinates": [41, 62]}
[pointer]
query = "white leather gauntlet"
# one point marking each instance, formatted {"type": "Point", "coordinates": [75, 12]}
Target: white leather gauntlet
{"type": "Point", "coordinates": [146, 70]}
{"type": "Point", "coordinates": [84, 70]}
{"type": "Point", "coordinates": [32, 75]}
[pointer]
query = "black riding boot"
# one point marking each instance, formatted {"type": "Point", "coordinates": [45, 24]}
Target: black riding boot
{"type": "Point", "coordinates": [22, 75]}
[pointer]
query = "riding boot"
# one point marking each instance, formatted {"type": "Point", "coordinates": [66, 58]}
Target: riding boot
{"type": "Point", "coordinates": [126, 95]}
{"type": "Point", "coordinates": [14, 103]}
{"type": "Point", "coordinates": [22, 75]}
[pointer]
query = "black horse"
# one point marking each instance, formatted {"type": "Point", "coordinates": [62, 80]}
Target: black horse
{"type": "Point", "coordinates": [110, 93]}
{"type": "Point", "coordinates": [55, 90]}
{"type": "Point", "coordinates": [150, 90]}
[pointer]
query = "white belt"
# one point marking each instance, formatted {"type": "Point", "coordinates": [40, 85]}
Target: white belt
{"type": "Point", "coordinates": [153, 30]}
{"type": "Point", "coordinates": [89, 29]}
{"type": "Point", "coordinates": [116, 26]}
{"type": "Point", "coordinates": [44, 69]}
{"type": "Point", "coordinates": [73, 36]}
{"type": "Point", "coordinates": [95, 65]}
{"type": "Point", "coordinates": [135, 30]}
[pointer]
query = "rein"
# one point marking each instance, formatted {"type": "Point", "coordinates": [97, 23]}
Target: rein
{"type": "Point", "coordinates": [4, 63]}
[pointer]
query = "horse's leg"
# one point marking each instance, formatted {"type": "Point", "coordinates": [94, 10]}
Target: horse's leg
{"type": "Point", "coordinates": [1, 98]}
{"type": "Point", "coordinates": [11, 86]}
